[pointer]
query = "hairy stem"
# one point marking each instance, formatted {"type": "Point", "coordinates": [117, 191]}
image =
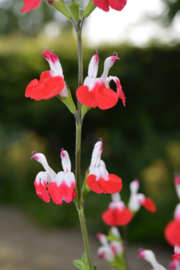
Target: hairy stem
{"type": "Point", "coordinates": [78, 28]}
{"type": "Point", "coordinates": [85, 238]}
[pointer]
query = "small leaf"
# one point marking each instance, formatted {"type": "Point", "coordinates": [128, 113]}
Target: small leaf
{"type": "Point", "coordinates": [95, 266]}
{"type": "Point", "coordinates": [84, 258]}
{"type": "Point", "coordinates": [79, 264]}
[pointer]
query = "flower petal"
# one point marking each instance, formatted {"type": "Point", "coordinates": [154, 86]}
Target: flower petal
{"type": "Point", "coordinates": [30, 4]}
{"type": "Point", "coordinates": [106, 98]}
{"type": "Point", "coordinates": [115, 217]}
{"type": "Point", "coordinates": [114, 184]}
{"type": "Point", "coordinates": [117, 4]}
{"type": "Point", "coordinates": [93, 184]}
{"type": "Point", "coordinates": [102, 4]}
{"type": "Point", "coordinates": [172, 234]}
{"type": "Point", "coordinates": [86, 97]}
{"type": "Point", "coordinates": [149, 205]}
{"type": "Point", "coordinates": [42, 192]}
{"type": "Point", "coordinates": [62, 193]}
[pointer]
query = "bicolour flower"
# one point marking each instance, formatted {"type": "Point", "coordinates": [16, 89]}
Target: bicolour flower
{"type": "Point", "coordinates": [51, 83]}
{"type": "Point", "coordinates": [60, 186]}
{"type": "Point", "coordinates": [172, 230]}
{"type": "Point", "coordinates": [176, 256]}
{"type": "Point", "coordinates": [30, 4]}
{"type": "Point", "coordinates": [95, 92]}
{"type": "Point", "coordinates": [149, 256]}
{"type": "Point", "coordinates": [177, 184]}
{"type": "Point", "coordinates": [115, 4]}
{"type": "Point", "coordinates": [99, 180]}
{"type": "Point", "coordinates": [138, 199]}
{"type": "Point", "coordinates": [117, 213]}
{"type": "Point", "coordinates": [109, 251]}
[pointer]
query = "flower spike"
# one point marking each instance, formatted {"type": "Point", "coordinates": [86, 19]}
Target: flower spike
{"type": "Point", "coordinates": [99, 180]}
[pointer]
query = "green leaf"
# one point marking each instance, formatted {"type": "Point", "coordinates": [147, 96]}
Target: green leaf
{"type": "Point", "coordinates": [79, 264]}
{"type": "Point", "coordinates": [84, 258]}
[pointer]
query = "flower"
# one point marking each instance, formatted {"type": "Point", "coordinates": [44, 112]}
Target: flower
{"type": "Point", "coordinates": [176, 256]}
{"type": "Point", "coordinates": [60, 186]}
{"type": "Point", "coordinates": [172, 230]}
{"type": "Point", "coordinates": [109, 251]}
{"type": "Point", "coordinates": [117, 213]}
{"type": "Point", "coordinates": [51, 82]}
{"type": "Point", "coordinates": [177, 184]}
{"type": "Point", "coordinates": [138, 199]}
{"type": "Point", "coordinates": [99, 180]}
{"type": "Point", "coordinates": [96, 92]}
{"type": "Point", "coordinates": [115, 4]}
{"type": "Point", "coordinates": [30, 4]}
{"type": "Point", "coordinates": [149, 256]}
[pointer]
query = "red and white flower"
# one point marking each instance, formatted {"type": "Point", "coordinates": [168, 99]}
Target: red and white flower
{"type": "Point", "coordinates": [138, 199]}
{"type": "Point", "coordinates": [177, 184]}
{"type": "Point", "coordinates": [30, 4]}
{"type": "Point", "coordinates": [60, 186]}
{"type": "Point", "coordinates": [175, 263]}
{"type": "Point", "coordinates": [96, 92]}
{"type": "Point", "coordinates": [109, 251]}
{"type": "Point", "coordinates": [51, 83]}
{"type": "Point", "coordinates": [117, 213]}
{"type": "Point", "coordinates": [149, 256]}
{"type": "Point", "coordinates": [99, 180]}
{"type": "Point", "coordinates": [172, 230]}
{"type": "Point", "coordinates": [115, 4]}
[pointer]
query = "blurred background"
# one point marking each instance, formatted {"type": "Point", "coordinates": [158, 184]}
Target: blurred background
{"type": "Point", "coordinates": [141, 140]}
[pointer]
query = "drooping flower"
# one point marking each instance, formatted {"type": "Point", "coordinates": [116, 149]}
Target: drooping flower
{"type": "Point", "coordinates": [99, 180]}
{"type": "Point", "coordinates": [115, 4]}
{"type": "Point", "coordinates": [109, 251]}
{"type": "Point", "coordinates": [117, 213]}
{"type": "Point", "coordinates": [149, 256]}
{"type": "Point", "coordinates": [177, 184]}
{"type": "Point", "coordinates": [51, 82]}
{"type": "Point", "coordinates": [96, 92]}
{"type": "Point", "coordinates": [172, 230]}
{"type": "Point", "coordinates": [176, 256]}
{"type": "Point", "coordinates": [138, 199]}
{"type": "Point", "coordinates": [60, 186]}
{"type": "Point", "coordinates": [30, 4]}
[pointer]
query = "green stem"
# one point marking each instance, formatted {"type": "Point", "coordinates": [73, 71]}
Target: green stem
{"type": "Point", "coordinates": [78, 161]}
{"type": "Point", "coordinates": [85, 238]}
{"type": "Point", "coordinates": [78, 28]}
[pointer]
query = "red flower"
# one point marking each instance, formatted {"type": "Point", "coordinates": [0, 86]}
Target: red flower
{"type": "Point", "coordinates": [138, 199]}
{"type": "Point", "coordinates": [60, 186]}
{"type": "Point", "coordinates": [172, 230]}
{"type": "Point", "coordinates": [115, 4]}
{"type": "Point", "coordinates": [117, 214]}
{"type": "Point", "coordinates": [51, 82]}
{"type": "Point", "coordinates": [30, 4]}
{"type": "Point", "coordinates": [96, 92]}
{"type": "Point", "coordinates": [99, 180]}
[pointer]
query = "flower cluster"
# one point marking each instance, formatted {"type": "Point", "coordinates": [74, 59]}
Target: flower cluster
{"type": "Point", "coordinates": [96, 92]}
{"type": "Point", "coordinates": [172, 235]}
{"type": "Point", "coordinates": [112, 250]}
{"type": "Point", "coordinates": [60, 186]}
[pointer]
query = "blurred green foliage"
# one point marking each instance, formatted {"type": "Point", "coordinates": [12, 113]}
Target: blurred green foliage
{"type": "Point", "coordinates": [141, 140]}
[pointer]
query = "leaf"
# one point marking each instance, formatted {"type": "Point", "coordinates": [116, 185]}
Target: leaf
{"type": "Point", "coordinates": [79, 264]}
{"type": "Point", "coordinates": [95, 266]}
{"type": "Point", "coordinates": [84, 258]}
